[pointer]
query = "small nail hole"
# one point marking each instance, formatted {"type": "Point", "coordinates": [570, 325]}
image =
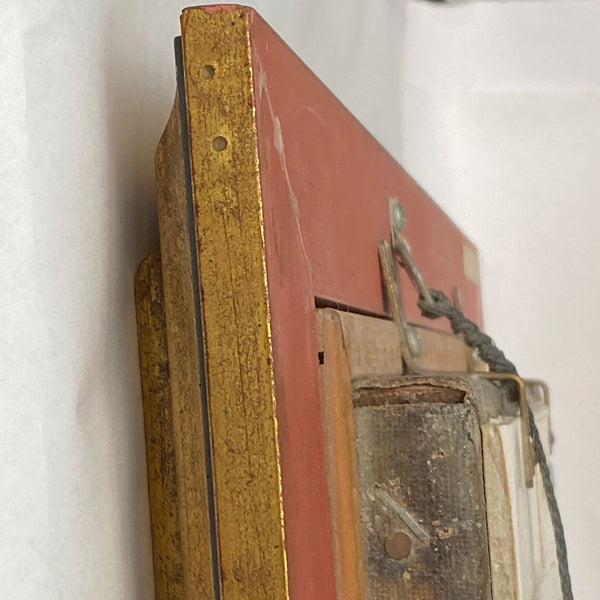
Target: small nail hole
{"type": "Point", "coordinates": [219, 143]}
{"type": "Point", "coordinates": [208, 72]}
{"type": "Point", "coordinates": [321, 356]}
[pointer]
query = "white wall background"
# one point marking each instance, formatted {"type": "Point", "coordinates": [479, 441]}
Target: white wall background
{"type": "Point", "coordinates": [494, 107]}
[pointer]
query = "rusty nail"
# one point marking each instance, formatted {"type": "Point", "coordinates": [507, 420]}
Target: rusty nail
{"type": "Point", "coordinates": [398, 545]}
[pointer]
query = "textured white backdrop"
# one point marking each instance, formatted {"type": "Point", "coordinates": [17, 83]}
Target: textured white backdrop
{"type": "Point", "coordinates": [494, 107]}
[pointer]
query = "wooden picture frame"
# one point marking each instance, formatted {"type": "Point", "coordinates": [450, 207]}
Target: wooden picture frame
{"type": "Point", "coordinates": [272, 202]}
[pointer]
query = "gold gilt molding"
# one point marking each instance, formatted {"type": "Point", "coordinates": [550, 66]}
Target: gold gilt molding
{"type": "Point", "coordinates": [194, 550]}
{"type": "Point", "coordinates": [227, 205]}
{"type": "Point", "coordinates": [158, 424]}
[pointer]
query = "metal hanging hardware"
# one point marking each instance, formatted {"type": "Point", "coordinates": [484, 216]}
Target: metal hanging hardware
{"type": "Point", "coordinates": [401, 251]}
{"type": "Point", "coordinates": [398, 252]}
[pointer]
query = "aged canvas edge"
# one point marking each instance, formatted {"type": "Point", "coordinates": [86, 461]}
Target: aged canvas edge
{"type": "Point", "coordinates": [228, 210]}
{"type": "Point", "coordinates": [430, 385]}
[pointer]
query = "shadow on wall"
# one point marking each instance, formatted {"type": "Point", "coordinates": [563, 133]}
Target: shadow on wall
{"type": "Point", "coordinates": [139, 89]}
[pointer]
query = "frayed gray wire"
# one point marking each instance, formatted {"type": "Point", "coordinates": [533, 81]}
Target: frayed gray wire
{"type": "Point", "coordinates": [498, 363]}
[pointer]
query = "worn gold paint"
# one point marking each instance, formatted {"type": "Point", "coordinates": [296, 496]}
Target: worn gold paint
{"type": "Point", "coordinates": [237, 342]}
{"type": "Point", "coordinates": [158, 421]}
{"type": "Point", "coordinates": [195, 550]}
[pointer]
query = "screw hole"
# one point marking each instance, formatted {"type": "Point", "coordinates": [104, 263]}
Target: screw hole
{"type": "Point", "coordinates": [208, 72]}
{"type": "Point", "coordinates": [219, 143]}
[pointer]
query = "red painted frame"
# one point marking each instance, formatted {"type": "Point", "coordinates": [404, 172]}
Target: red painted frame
{"type": "Point", "coordinates": [326, 184]}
